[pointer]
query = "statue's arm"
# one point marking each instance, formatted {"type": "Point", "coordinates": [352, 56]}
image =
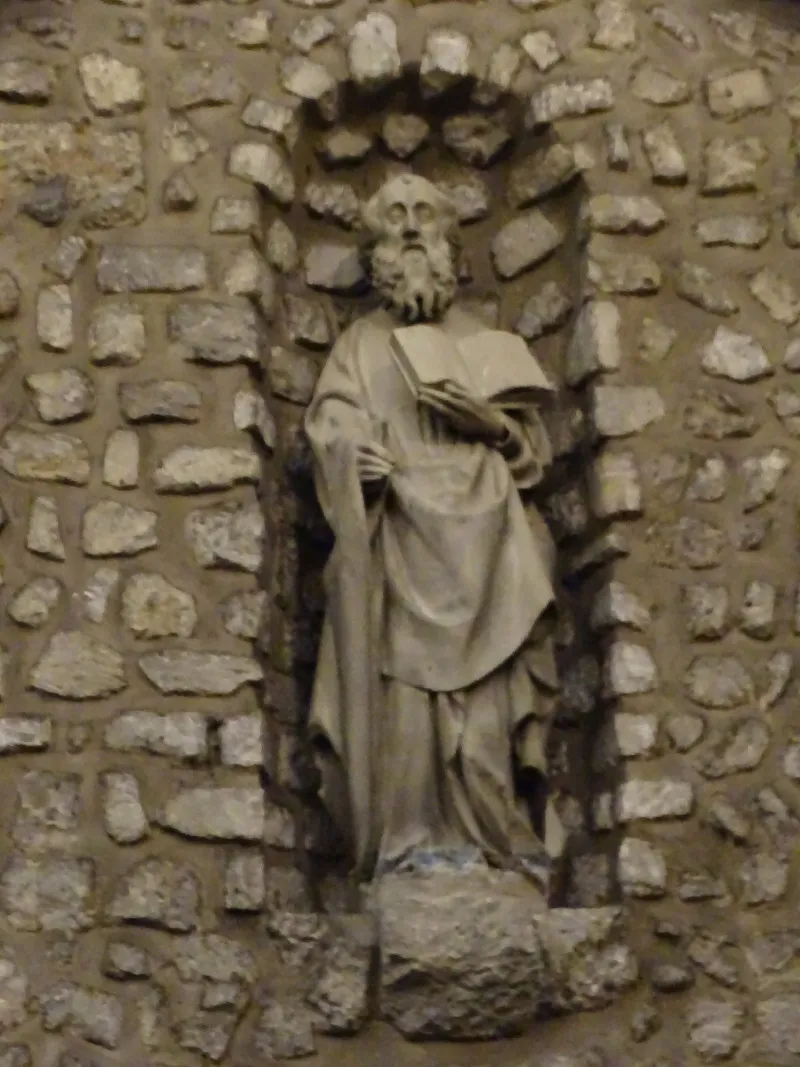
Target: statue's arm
{"type": "Point", "coordinates": [526, 447]}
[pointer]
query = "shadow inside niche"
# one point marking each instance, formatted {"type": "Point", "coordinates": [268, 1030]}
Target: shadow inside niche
{"type": "Point", "coordinates": [541, 305]}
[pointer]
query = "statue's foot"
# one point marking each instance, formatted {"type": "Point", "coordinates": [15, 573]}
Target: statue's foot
{"type": "Point", "coordinates": [420, 861]}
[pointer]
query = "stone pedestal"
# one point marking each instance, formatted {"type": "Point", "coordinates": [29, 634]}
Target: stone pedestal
{"type": "Point", "coordinates": [477, 955]}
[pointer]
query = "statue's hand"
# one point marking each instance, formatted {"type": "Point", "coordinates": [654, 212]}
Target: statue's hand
{"type": "Point", "coordinates": [468, 414]}
{"type": "Point", "coordinates": [374, 464]}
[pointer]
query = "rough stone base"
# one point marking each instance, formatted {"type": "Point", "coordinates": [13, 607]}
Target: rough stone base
{"type": "Point", "coordinates": [477, 956]}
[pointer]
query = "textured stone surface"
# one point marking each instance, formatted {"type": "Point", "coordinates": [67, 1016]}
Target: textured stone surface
{"type": "Point", "coordinates": [226, 812]}
{"type": "Point", "coordinates": [77, 667]}
{"type": "Point", "coordinates": [159, 893]}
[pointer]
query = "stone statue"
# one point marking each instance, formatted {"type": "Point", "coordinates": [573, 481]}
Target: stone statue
{"type": "Point", "coordinates": [436, 678]}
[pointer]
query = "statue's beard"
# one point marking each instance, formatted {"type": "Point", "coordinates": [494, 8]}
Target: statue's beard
{"type": "Point", "coordinates": [419, 284]}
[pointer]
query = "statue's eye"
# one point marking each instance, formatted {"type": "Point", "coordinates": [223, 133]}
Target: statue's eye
{"type": "Point", "coordinates": [396, 213]}
{"type": "Point", "coordinates": [424, 211]}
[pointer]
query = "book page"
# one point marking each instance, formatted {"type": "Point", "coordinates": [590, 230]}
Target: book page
{"type": "Point", "coordinates": [427, 356]}
{"type": "Point", "coordinates": [500, 363]}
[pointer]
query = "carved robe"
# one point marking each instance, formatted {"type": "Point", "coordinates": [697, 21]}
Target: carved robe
{"type": "Point", "coordinates": [435, 675]}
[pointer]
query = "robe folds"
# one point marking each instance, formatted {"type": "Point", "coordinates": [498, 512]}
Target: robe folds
{"type": "Point", "coordinates": [435, 677]}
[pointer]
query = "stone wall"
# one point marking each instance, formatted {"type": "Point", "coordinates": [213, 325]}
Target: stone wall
{"type": "Point", "coordinates": [179, 187]}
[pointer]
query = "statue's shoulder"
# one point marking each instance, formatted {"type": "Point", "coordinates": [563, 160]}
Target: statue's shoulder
{"type": "Point", "coordinates": [368, 328]}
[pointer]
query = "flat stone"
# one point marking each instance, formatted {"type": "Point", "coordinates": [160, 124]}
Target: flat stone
{"type": "Point", "coordinates": [274, 117]}
{"type": "Point", "coordinates": [113, 529]}
{"type": "Point", "coordinates": [736, 231]}
{"type": "Point", "coordinates": [47, 457]}
{"type": "Point", "coordinates": [47, 810]}
{"type": "Point", "coordinates": [595, 346]}
{"type": "Point", "coordinates": [245, 888]}
{"type": "Point", "coordinates": [9, 295]}
{"type": "Point", "coordinates": [499, 75]}
{"type": "Point", "coordinates": [475, 139]}
{"type": "Point", "coordinates": [666, 19]}
{"type": "Point", "coordinates": [50, 893]}
{"type": "Point", "coordinates": [33, 605]}
{"type": "Point", "coordinates": [311, 82]}
{"type": "Point", "coordinates": [111, 87]}
{"type": "Point", "coordinates": [160, 400]}
{"type": "Point", "coordinates": [570, 99]}
{"type": "Point", "coordinates": [95, 1017]}
{"type": "Point", "coordinates": [718, 682]}
{"type": "Point", "coordinates": [731, 166]}
{"type": "Point", "coordinates": [97, 593]}
{"type": "Point", "coordinates": [777, 294]}
{"type": "Point", "coordinates": [630, 273]}
{"type": "Point", "coordinates": [607, 213]}
{"type": "Point", "coordinates": [154, 607]}
{"type": "Point", "coordinates": [627, 669]}
{"type": "Point", "coordinates": [61, 395]}
{"type": "Point", "coordinates": [546, 311]}
{"type": "Point", "coordinates": [178, 193]}
{"type": "Point", "coordinates": [716, 415]}
{"type": "Point", "coordinates": [227, 813]}
{"type": "Point", "coordinates": [199, 673]}
{"type": "Point", "coordinates": [614, 486]}
{"type": "Point", "coordinates": [242, 613]}
{"type": "Point", "coordinates": [234, 214]}
{"type": "Point", "coordinates": [710, 480]}
{"type": "Point", "coordinates": [248, 275]}
{"type": "Point", "coordinates": [335, 202]}
{"type": "Point", "coordinates": [250, 413]}
{"type": "Point", "coordinates": [523, 243]}
{"type": "Point", "coordinates": [543, 49]}
{"type": "Point", "coordinates": [159, 893]}
{"type": "Point", "coordinates": [227, 536]}
{"type": "Point", "coordinates": [44, 529]}
{"type": "Point", "coordinates": [216, 333]}
{"type": "Point", "coordinates": [117, 335]}
{"type": "Point", "coordinates": [311, 32]}
{"type": "Point", "coordinates": [201, 83]}
{"type": "Point", "coordinates": [25, 733]}
{"type": "Point", "coordinates": [736, 356]}
{"type": "Point", "coordinates": [404, 135]}
{"type": "Point", "coordinates": [740, 747]}
{"type": "Point", "coordinates": [757, 612]}
{"type": "Point", "coordinates": [616, 605]}
{"type": "Point", "coordinates": [469, 194]}
{"type": "Point", "coordinates": [121, 459]}
{"type": "Point", "coordinates": [123, 961]}
{"type": "Point", "coordinates": [615, 25]}
{"type": "Point", "coordinates": [123, 814]}
{"type": "Point", "coordinates": [284, 1029]}
{"type": "Point", "coordinates": [75, 666]}
{"type": "Point", "coordinates": [620, 410]}
{"type": "Point", "coordinates": [334, 268]}
{"type": "Point", "coordinates": [657, 86]}
{"type": "Point", "coordinates": [739, 93]}
{"type": "Point", "coordinates": [664, 155]}
{"type": "Point", "coordinates": [436, 930]}
{"type": "Point", "coordinates": [372, 53]}
{"type": "Point", "coordinates": [54, 318]}
{"type": "Point", "coordinates": [22, 81]}
{"type": "Point", "coordinates": [292, 375]}
{"type": "Point", "coordinates": [198, 469]}
{"type": "Point", "coordinates": [706, 610]}
{"type": "Point", "coordinates": [762, 476]}
{"type": "Point", "coordinates": [543, 173]}
{"type": "Point", "coordinates": [641, 869]}
{"type": "Point", "coordinates": [701, 287]}
{"type": "Point", "coordinates": [49, 201]}
{"type": "Point", "coordinates": [281, 248]}
{"type": "Point", "coordinates": [344, 146]}
{"type": "Point", "coordinates": [151, 269]}
{"type": "Point", "coordinates": [715, 1027]}
{"type": "Point", "coordinates": [179, 735]}
{"type": "Point", "coordinates": [662, 798]}
{"type": "Point", "coordinates": [445, 61]}
{"type": "Point", "coordinates": [685, 731]}
{"type": "Point", "coordinates": [266, 167]}
{"type": "Point", "coordinates": [251, 31]}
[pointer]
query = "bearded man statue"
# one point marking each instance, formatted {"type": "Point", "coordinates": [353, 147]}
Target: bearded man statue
{"type": "Point", "coordinates": [436, 679]}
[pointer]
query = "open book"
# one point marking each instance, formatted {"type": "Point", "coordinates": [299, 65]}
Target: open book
{"type": "Point", "coordinates": [492, 364]}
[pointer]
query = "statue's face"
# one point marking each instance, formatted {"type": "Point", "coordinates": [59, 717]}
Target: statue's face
{"type": "Point", "coordinates": [412, 259]}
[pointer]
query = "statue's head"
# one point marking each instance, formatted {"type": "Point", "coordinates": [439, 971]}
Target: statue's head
{"type": "Point", "coordinates": [413, 229]}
